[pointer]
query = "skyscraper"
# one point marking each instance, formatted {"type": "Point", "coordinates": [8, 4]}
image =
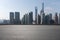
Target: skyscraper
{"type": "Point", "coordinates": [59, 18]}
{"type": "Point", "coordinates": [39, 19]}
{"type": "Point", "coordinates": [42, 14]}
{"type": "Point", "coordinates": [47, 19]}
{"type": "Point", "coordinates": [11, 17]}
{"type": "Point", "coordinates": [26, 19]}
{"type": "Point", "coordinates": [31, 18]}
{"type": "Point", "coordinates": [36, 12]}
{"type": "Point", "coordinates": [50, 17]}
{"type": "Point", "coordinates": [17, 17]}
{"type": "Point", "coordinates": [23, 20]}
{"type": "Point", "coordinates": [56, 18]}
{"type": "Point", "coordinates": [43, 19]}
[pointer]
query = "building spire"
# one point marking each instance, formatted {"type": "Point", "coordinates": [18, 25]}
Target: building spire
{"type": "Point", "coordinates": [42, 10]}
{"type": "Point", "coordinates": [43, 7]}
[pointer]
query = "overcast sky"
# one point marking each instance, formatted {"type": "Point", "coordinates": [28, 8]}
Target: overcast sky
{"type": "Point", "coordinates": [25, 6]}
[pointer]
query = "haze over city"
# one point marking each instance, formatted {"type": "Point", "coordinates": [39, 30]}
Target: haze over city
{"type": "Point", "coordinates": [25, 6]}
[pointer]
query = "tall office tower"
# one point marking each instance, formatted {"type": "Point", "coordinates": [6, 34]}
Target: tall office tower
{"type": "Point", "coordinates": [23, 20]}
{"type": "Point", "coordinates": [26, 19]}
{"type": "Point", "coordinates": [17, 17]}
{"type": "Point", "coordinates": [42, 14]}
{"type": "Point", "coordinates": [11, 17]}
{"type": "Point", "coordinates": [47, 19]}
{"type": "Point", "coordinates": [36, 12]}
{"type": "Point", "coordinates": [56, 18]}
{"type": "Point", "coordinates": [43, 20]}
{"type": "Point", "coordinates": [31, 18]}
{"type": "Point", "coordinates": [39, 19]}
{"type": "Point", "coordinates": [59, 18]}
{"type": "Point", "coordinates": [50, 17]}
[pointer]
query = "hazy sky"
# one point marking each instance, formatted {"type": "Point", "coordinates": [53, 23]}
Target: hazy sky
{"type": "Point", "coordinates": [25, 6]}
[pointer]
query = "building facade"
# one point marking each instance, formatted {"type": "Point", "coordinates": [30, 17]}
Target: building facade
{"type": "Point", "coordinates": [36, 15]}
{"type": "Point", "coordinates": [11, 17]}
{"type": "Point", "coordinates": [17, 17]}
{"type": "Point", "coordinates": [42, 14]}
{"type": "Point", "coordinates": [56, 18]}
{"type": "Point", "coordinates": [31, 18]}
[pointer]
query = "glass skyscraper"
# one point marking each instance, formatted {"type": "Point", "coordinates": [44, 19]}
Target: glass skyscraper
{"type": "Point", "coordinates": [36, 15]}
{"type": "Point", "coordinates": [11, 17]}
{"type": "Point", "coordinates": [17, 17]}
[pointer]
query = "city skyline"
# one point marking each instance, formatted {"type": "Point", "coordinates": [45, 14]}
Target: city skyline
{"type": "Point", "coordinates": [41, 18]}
{"type": "Point", "coordinates": [25, 6]}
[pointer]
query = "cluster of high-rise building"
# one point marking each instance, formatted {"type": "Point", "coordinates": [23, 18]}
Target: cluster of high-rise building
{"type": "Point", "coordinates": [15, 18]}
{"type": "Point", "coordinates": [40, 18]}
{"type": "Point", "coordinates": [27, 18]}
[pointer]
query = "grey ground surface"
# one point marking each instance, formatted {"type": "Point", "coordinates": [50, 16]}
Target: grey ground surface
{"type": "Point", "coordinates": [29, 32]}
